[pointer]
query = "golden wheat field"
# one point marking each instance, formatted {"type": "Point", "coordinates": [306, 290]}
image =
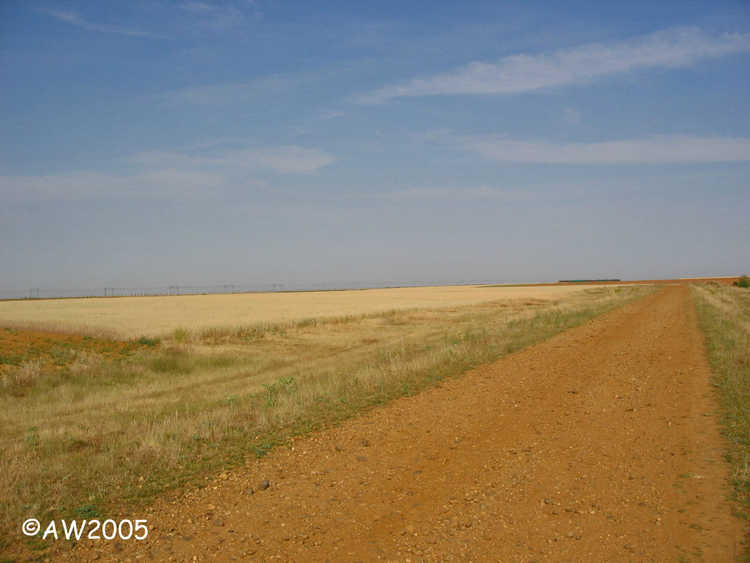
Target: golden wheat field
{"type": "Point", "coordinates": [127, 317]}
{"type": "Point", "coordinates": [91, 425]}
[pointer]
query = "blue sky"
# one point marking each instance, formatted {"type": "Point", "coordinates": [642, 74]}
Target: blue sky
{"type": "Point", "coordinates": [150, 143]}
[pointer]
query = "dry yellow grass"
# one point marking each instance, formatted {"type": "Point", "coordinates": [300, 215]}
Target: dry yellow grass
{"type": "Point", "coordinates": [160, 315]}
{"type": "Point", "coordinates": [111, 433]}
{"type": "Point", "coordinates": [724, 314]}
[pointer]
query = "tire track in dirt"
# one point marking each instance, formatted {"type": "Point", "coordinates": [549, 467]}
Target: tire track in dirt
{"type": "Point", "coordinates": [598, 445]}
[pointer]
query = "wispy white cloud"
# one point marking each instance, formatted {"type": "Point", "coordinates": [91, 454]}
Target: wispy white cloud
{"type": "Point", "coordinates": [456, 193]}
{"type": "Point", "coordinates": [198, 174]}
{"type": "Point", "coordinates": [78, 185]}
{"type": "Point", "coordinates": [572, 116]}
{"type": "Point", "coordinates": [527, 72]}
{"type": "Point", "coordinates": [230, 92]}
{"type": "Point", "coordinates": [77, 20]}
{"type": "Point", "coordinates": [331, 114]}
{"type": "Point", "coordinates": [198, 7]}
{"type": "Point", "coordinates": [658, 149]}
{"type": "Point", "coordinates": [289, 159]}
{"type": "Point", "coordinates": [221, 16]}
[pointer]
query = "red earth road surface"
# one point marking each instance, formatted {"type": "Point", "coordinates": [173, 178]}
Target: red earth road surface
{"type": "Point", "coordinates": [600, 444]}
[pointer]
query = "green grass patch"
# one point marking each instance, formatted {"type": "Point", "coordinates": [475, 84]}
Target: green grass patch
{"type": "Point", "coordinates": [147, 341]}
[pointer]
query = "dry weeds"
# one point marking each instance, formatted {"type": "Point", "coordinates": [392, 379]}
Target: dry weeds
{"type": "Point", "coordinates": [724, 314]}
{"type": "Point", "coordinates": [107, 433]}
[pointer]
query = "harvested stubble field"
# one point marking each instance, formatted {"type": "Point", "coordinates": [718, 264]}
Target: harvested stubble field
{"type": "Point", "coordinates": [598, 444]}
{"type": "Point", "coordinates": [103, 430]}
{"type": "Point", "coordinates": [129, 317]}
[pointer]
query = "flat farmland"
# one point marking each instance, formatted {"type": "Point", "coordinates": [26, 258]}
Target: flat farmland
{"type": "Point", "coordinates": [128, 317]}
{"type": "Point", "coordinates": [91, 425]}
{"type": "Point", "coordinates": [494, 423]}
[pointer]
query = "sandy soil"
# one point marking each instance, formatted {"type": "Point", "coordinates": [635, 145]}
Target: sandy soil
{"type": "Point", "coordinates": [136, 316]}
{"type": "Point", "coordinates": [54, 350]}
{"type": "Point", "coordinates": [597, 445]}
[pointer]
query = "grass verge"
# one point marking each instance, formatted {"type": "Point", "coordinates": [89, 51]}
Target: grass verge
{"type": "Point", "coordinates": [724, 317]}
{"type": "Point", "coordinates": [111, 434]}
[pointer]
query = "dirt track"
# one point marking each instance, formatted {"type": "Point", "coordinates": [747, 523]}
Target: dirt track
{"type": "Point", "coordinates": [598, 445]}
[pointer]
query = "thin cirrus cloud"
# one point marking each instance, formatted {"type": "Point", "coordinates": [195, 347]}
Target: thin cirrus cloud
{"type": "Point", "coordinates": [290, 159]}
{"type": "Point", "coordinates": [75, 19]}
{"type": "Point", "coordinates": [231, 92]}
{"type": "Point", "coordinates": [658, 149]}
{"type": "Point", "coordinates": [160, 174]}
{"type": "Point", "coordinates": [221, 16]}
{"type": "Point", "coordinates": [82, 185]}
{"type": "Point", "coordinates": [433, 193]}
{"type": "Point", "coordinates": [218, 17]}
{"type": "Point", "coordinates": [524, 73]}
{"type": "Point", "coordinates": [198, 7]}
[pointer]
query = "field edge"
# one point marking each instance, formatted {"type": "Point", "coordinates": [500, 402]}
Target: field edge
{"type": "Point", "coordinates": [723, 319]}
